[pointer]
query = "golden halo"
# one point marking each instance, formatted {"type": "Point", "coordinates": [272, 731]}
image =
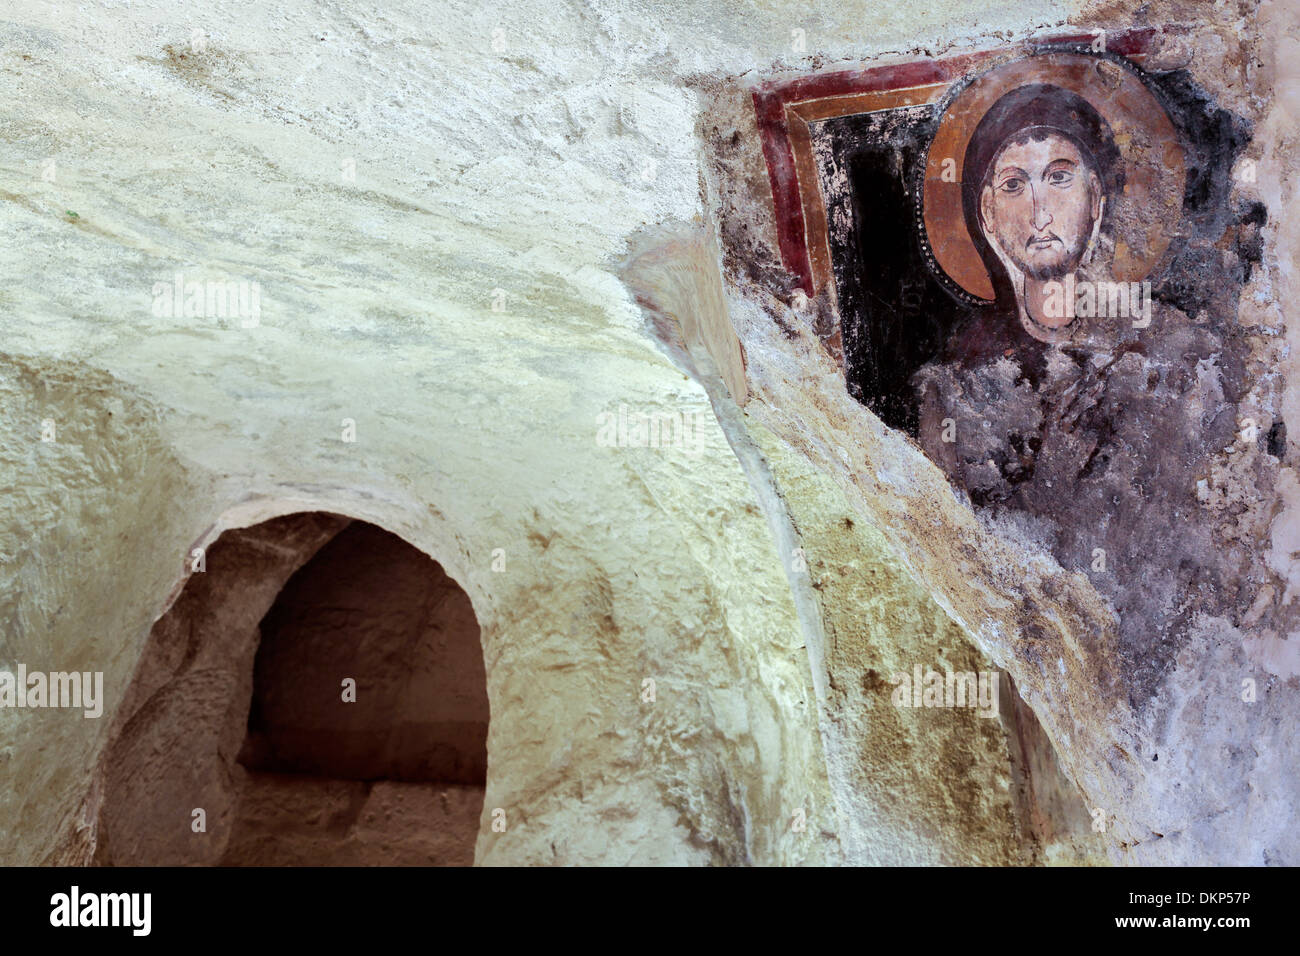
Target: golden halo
{"type": "Point", "coordinates": [1155, 170]}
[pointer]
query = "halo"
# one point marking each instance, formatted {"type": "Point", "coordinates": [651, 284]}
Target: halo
{"type": "Point", "coordinates": [1155, 172]}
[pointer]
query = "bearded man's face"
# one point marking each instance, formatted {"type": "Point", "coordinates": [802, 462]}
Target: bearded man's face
{"type": "Point", "coordinates": [1041, 204]}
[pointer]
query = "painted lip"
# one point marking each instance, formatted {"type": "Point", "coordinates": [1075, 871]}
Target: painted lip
{"type": "Point", "coordinates": [1042, 242]}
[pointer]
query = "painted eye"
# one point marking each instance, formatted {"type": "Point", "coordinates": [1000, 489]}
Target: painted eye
{"type": "Point", "coordinates": [1060, 177]}
{"type": "Point", "coordinates": [1013, 185]}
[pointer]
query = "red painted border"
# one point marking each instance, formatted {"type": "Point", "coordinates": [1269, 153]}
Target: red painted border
{"type": "Point", "coordinates": [772, 98]}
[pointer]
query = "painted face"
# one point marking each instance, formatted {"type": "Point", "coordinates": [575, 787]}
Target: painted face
{"type": "Point", "coordinates": [1040, 205]}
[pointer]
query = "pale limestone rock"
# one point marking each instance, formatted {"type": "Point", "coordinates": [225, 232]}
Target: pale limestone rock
{"type": "Point", "coordinates": [388, 174]}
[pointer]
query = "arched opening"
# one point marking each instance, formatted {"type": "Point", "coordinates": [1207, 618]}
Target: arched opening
{"type": "Point", "coordinates": [369, 714]}
{"type": "Point", "coordinates": [318, 693]}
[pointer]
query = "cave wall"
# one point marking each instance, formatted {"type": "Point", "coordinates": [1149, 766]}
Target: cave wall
{"type": "Point", "coordinates": [436, 205]}
{"type": "Point", "coordinates": [591, 569]}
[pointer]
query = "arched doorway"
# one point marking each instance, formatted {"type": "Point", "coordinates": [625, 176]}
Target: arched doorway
{"type": "Point", "coordinates": [316, 696]}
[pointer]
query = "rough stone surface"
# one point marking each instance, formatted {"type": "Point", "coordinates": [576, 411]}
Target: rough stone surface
{"type": "Point", "coordinates": [334, 597]}
{"type": "Point", "coordinates": [439, 205]}
{"type": "Point", "coordinates": [184, 716]}
{"type": "Point", "coordinates": [297, 821]}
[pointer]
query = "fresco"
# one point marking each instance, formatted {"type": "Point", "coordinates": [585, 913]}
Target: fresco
{"type": "Point", "coordinates": [1033, 260]}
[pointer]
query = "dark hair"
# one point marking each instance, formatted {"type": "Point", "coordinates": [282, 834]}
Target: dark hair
{"type": "Point", "coordinates": [1035, 110]}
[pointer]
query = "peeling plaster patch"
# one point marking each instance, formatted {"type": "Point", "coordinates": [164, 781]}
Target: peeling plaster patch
{"type": "Point", "coordinates": [1280, 656]}
{"type": "Point", "coordinates": [1285, 535]}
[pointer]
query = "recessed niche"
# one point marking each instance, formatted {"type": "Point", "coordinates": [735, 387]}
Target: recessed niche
{"type": "Point", "coordinates": [316, 695]}
{"type": "Point", "coordinates": [367, 732]}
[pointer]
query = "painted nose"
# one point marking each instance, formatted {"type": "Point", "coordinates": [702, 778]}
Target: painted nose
{"type": "Point", "coordinates": [1042, 218]}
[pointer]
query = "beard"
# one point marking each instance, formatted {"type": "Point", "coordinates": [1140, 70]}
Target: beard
{"type": "Point", "coordinates": [1057, 268]}
{"type": "Point", "coordinates": [1049, 271]}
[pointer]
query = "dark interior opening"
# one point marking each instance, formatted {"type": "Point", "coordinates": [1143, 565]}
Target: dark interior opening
{"type": "Point", "coordinates": [367, 730]}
